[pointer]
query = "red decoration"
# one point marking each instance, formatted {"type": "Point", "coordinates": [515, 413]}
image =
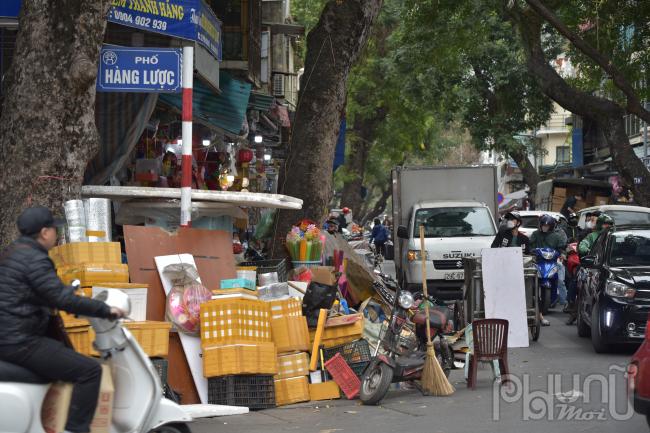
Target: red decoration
{"type": "Point", "coordinates": [245, 156]}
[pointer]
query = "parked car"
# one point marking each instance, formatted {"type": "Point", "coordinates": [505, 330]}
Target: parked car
{"type": "Point", "coordinates": [638, 378]}
{"type": "Point", "coordinates": [622, 214]}
{"type": "Point", "coordinates": [530, 220]}
{"type": "Point", "coordinates": [614, 288]}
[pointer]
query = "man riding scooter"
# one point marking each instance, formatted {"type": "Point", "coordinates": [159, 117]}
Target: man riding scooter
{"type": "Point", "coordinates": [29, 290]}
{"type": "Point", "coordinates": [548, 236]}
{"type": "Point", "coordinates": [509, 235]}
{"type": "Point", "coordinates": [604, 222]}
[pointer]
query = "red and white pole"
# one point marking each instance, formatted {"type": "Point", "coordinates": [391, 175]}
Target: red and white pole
{"type": "Point", "coordinates": [186, 162]}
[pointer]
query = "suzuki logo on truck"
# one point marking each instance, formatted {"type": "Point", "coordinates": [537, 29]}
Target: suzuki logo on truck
{"type": "Point", "coordinates": [457, 255]}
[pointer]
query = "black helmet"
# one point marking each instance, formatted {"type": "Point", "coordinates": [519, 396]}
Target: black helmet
{"type": "Point", "coordinates": [604, 219]}
{"type": "Point", "coordinates": [514, 215]}
{"type": "Point", "coordinates": [573, 216]}
{"type": "Point", "coordinates": [547, 220]}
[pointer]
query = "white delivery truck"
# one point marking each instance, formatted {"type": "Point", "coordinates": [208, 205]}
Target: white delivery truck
{"type": "Point", "coordinates": [457, 207]}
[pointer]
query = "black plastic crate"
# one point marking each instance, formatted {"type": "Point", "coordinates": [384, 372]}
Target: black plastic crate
{"type": "Point", "coordinates": [359, 368]}
{"type": "Point", "coordinates": [161, 365]}
{"type": "Point", "coordinates": [254, 392]}
{"type": "Point", "coordinates": [353, 353]}
{"type": "Point", "coordinates": [268, 266]}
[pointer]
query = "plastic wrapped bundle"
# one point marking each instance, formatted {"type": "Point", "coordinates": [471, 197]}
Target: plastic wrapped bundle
{"type": "Point", "coordinates": [98, 219]}
{"type": "Point", "coordinates": [76, 234]}
{"type": "Point", "coordinates": [75, 214]}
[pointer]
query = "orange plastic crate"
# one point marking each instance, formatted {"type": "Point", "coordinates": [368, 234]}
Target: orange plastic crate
{"type": "Point", "coordinates": [152, 336]}
{"type": "Point", "coordinates": [235, 321]}
{"type": "Point", "coordinates": [80, 338]}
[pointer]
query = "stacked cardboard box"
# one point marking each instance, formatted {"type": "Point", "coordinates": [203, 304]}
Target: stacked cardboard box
{"type": "Point", "coordinates": [291, 337]}
{"type": "Point", "coordinates": [90, 262]}
{"type": "Point", "coordinates": [236, 338]}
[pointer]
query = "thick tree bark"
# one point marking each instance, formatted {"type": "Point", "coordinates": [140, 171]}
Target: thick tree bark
{"type": "Point", "coordinates": [634, 105]}
{"type": "Point", "coordinates": [381, 203]}
{"type": "Point", "coordinates": [333, 47]}
{"type": "Point", "coordinates": [528, 170]}
{"type": "Point", "coordinates": [607, 113]}
{"type": "Point", "coordinates": [364, 130]}
{"type": "Point", "coordinates": [47, 126]}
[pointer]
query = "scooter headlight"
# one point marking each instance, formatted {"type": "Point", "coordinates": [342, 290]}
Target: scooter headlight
{"type": "Point", "coordinates": [548, 255]}
{"type": "Point", "coordinates": [406, 300]}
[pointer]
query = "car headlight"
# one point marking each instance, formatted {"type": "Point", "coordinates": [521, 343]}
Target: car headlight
{"type": "Point", "coordinates": [619, 290]}
{"type": "Point", "coordinates": [406, 300]}
{"type": "Point", "coordinates": [414, 255]}
{"type": "Point", "coordinates": [548, 255]}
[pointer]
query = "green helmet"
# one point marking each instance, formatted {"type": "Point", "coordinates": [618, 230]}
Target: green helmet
{"type": "Point", "coordinates": [602, 220]}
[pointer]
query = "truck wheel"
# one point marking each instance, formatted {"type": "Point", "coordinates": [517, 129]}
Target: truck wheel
{"type": "Point", "coordinates": [375, 383]}
{"type": "Point", "coordinates": [597, 339]}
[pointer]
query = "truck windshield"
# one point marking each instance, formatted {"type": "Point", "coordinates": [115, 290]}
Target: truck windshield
{"type": "Point", "coordinates": [449, 222]}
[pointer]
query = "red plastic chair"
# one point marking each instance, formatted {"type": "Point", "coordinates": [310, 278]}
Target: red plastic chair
{"type": "Point", "coordinates": [490, 344]}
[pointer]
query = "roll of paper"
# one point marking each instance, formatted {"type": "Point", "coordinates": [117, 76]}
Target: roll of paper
{"type": "Point", "coordinates": [98, 217]}
{"type": "Point", "coordinates": [74, 213]}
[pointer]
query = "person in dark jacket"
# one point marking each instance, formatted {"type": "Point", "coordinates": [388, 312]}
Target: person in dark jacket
{"type": "Point", "coordinates": [343, 219]}
{"type": "Point", "coordinates": [509, 235]}
{"type": "Point", "coordinates": [571, 228]}
{"type": "Point", "coordinates": [379, 236]}
{"type": "Point", "coordinates": [29, 290]}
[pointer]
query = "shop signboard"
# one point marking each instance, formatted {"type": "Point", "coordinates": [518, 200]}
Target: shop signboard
{"type": "Point", "coordinates": [185, 19]}
{"type": "Point", "coordinates": [10, 8]}
{"type": "Point", "coordinates": [139, 70]}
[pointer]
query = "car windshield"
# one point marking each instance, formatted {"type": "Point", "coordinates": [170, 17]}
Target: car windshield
{"type": "Point", "coordinates": [625, 217]}
{"type": "Point", "coordinates": [451, 222]}
{"type": "Point", "coordinates": [630, 249]}
{"type": "Point", "coordinates": [530, 222]}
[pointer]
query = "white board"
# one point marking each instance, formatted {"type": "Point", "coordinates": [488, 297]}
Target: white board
{"type": "Point", "coordinates": [191, 345]}
{"type": "Point", "coordinates": [504, 291]}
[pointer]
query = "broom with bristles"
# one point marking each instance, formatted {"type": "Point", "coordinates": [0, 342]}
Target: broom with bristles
{"type": "Point", "coordinates": [434, 381]}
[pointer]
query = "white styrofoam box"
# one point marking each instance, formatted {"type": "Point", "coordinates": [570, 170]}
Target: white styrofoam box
{"type": "Point", "coordinates": [138, 297]}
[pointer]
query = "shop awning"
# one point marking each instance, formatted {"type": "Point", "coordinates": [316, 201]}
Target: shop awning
{"type": "Point", "coordinates": [225, 111]}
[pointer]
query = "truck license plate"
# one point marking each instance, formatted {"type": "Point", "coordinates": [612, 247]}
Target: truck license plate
{"type": "Point", "coordinates": [455, 276]}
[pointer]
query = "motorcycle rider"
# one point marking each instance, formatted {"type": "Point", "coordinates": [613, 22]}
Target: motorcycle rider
{"type": "Point", "coordinates": [571, 228]}
{"type": "Point", "coordinates": [603, 223]}
{"type": "Point", "coordinates": [342, 219]}
{"type": "Point", "coordinates": [29, 290]}
{"type": "Point", "coordinates": [590, 224]}
{"type": "Point", "coordinates": [379, 236]}
{"type": "Point", "coordinates": [548, 236]}
{"type": "Point", "coordinates": [509, 235]}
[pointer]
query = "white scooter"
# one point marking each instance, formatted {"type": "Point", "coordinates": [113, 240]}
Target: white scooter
{"type": "Point", "coordinates": [138, 406]}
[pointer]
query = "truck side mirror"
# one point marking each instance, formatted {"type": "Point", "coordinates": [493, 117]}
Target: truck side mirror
{"type": "Point", "coordinates": [402, 232]}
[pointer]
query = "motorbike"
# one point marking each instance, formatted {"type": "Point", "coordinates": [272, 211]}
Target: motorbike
{"type": "Point", "coordinates": [547, 272]}
{"type": "Point", "coordinates": [139, 405]}
{"type": "Point", "coordinates": [402, 359]}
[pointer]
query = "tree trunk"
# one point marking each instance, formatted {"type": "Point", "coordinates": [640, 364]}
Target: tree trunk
{"type": "Point", "coordinates": [382, 202]}
{"type": "Point", "coordinates": [333, 47]}
{"type": "Point", "coordinates": [528, 170]}
{"type": "Point", "coordinates": [608, 114]}
{"type": "Point", "coordinates": [47, 126]}
{"type": "Point", "coordinates": [355, 167]}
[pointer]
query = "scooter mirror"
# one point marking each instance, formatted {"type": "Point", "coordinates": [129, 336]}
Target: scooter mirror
{"type": "Point", "coordinates": [115, 298]}
{"type": "Point", "coordinates": [76, 284]}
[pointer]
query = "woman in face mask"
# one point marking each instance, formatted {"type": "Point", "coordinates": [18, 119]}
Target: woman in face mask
{"type": "Point", "coordinates": [509, 235]}
{"type": "Point", "coordinates": [590, 225]}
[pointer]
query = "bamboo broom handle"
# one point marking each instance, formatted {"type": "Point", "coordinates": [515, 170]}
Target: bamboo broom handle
{"type": "Point", "coordinates": [423, 255]}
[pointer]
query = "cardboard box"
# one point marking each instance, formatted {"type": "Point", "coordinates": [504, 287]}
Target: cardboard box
{"type": "Point", "coordinates": [293, 365]}
{"type": "Point", "coordinates": [601, 200]}
{"type": "Point", "coordinates": [290, 334]}
{"type": "Point", "coordinates": [102, 420]}
{"type": "Point", "coordinates": [56, 405]}
{"type": "Point", "coordinates": [324, 391]}
{"type": "Point", "coordinates": [238, 283]}
{"type": "Point", "coordinates": [559, 192]}
{"type": "Point", "coordinates": [235, 321]}
{"type": "Point", "coordinates": [259, 358]}
{"type": "Point", "coordinates": [292, 390]}
{"type": "Point", "coordinates": [323, 275]}
{"type": "Point", "coordinates": [137, 294]}
{"type": "Point", "coordinates": [291, 307]}
{"type": "Point", "coordinates": [86, 252]}
{"type": "Point", "coordinates": [92, 273]}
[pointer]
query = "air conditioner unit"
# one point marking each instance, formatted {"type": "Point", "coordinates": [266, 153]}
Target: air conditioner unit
{"type": "Point", "coordinates": [278, 85]}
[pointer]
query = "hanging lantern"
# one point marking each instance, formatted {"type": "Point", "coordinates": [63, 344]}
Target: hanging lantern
{"type": "Point", "coordinates": [245, 156]}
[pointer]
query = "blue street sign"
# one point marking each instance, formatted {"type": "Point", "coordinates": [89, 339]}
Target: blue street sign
{"type": "Point", "coordinates": [139, 70]}
{"type": "Point", "coordinates": [10, 8]}
{"type": "Point", "coordinates": [186, 19]}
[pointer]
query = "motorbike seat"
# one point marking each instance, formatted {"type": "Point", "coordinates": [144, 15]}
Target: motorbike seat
{"type": "Point", "coordinates": [15, 373]}
{"type": "Point", "coordinates": [410, 361]}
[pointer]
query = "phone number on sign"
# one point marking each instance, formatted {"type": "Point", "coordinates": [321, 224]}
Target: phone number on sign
{"type": "Point", "coordinates": [139, 21]}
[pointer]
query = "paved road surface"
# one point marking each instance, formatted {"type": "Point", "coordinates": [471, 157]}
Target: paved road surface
{"type": "Point", "coordinates": [559, 354]}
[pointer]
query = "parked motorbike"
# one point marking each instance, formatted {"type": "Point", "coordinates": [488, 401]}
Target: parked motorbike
{"type": "Point", "coordinates": [402, 360]}
{"type": "Point", "coordinates": [547, 272]}
{"type": "Point", "coordinates": [139, 405]}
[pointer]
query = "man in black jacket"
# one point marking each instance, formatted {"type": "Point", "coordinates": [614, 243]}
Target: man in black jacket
{"type": "Point", "coordinates": [29, 290]}
{"type": "Point", "coordinates": [509, 235]}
